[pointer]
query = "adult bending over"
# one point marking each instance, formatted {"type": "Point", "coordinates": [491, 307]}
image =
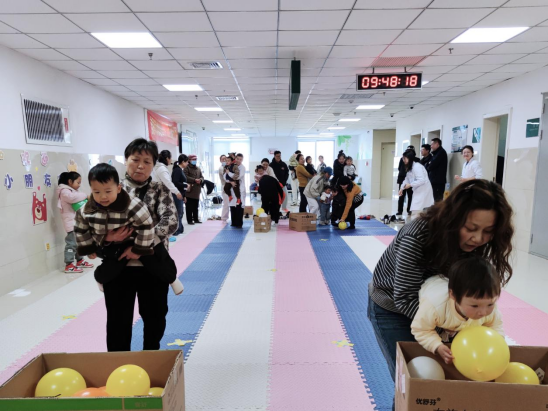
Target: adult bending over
{"type": "Point", "coordinates": [272, 195]}
{"type": "Point", "coordinates": [354, 199]}
{"type": "Point", "coordinates": [416, 179]}
{"type": "Point", "coordinates": [282, 173]}
{"type": "Point", "coordinates": [315, 187]}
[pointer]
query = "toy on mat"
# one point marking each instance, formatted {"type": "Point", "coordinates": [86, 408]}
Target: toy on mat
{"type": "Point", "coordinates": [343, 225]}
{"type": "Point", "coordinates": [128, 381]}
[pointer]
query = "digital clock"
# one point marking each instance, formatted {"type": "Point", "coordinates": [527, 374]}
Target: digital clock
{"type": "Point", "coordinates": [392, 81]}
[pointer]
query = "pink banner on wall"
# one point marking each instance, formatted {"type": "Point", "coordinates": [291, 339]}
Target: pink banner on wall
{"type": "Point", "coordinates": [161, 128]}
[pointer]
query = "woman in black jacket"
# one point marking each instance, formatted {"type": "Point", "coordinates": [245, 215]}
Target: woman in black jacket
{"type": "Point", "coordinates": [179, 180]}
{"type": "Point", "coordinates": [271, 191]}
{"type": "Point", "coordinates": [339, 199]}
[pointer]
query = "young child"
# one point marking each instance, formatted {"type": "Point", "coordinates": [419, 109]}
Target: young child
{"type": "Point", "coordinates": [325, 205]}
{"type": "Point", "coordinates": [259, 173]}
{"type": "Point", "coordinates": [68, 201]}
{"type": "Point", "coordinates": [466, 299]}
{"type": "Point", "coordinates": [350, 169]}
{"type": "Point", "coordinates": [232, 174]}
{"type": "Point", "coordinates": [309, 166]}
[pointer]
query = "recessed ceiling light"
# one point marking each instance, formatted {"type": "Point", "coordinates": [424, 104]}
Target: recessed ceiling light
{"type": "Point", "coordinates": [208, 109]}
{"type": "Point", "coordinates": [233, 129]}
{"type": "Point", "coordinates": [370, 107]}
{"type": "Point", "coordinates": [223, 121]}
{"type": "Point", "coordinates": [350, 119]}
{"type": "Point", "coordinates": [327, 134]}
{"type": "Point", "coordinates": [239, 135]}
{"type": "Point", "coordinates": [425, 82]}
{"type": "Point", "coordinates": [489, 35]}
{"type": "Point", "coordinates": [336, 128]}
{"type": "Point", "coordinates": [183, 87]}
{"type": "Point", "coordinates": [127, 40]}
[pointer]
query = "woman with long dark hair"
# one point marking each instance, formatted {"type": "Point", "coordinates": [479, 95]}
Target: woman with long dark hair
{"type": "Point", "coordinates": [475, 218]}
{"type": "Point", "coordinates": [303, 176]}
{"type": "Point", "coordinates": [339, 199]}
{"type": "Point", "coordinates": [179, 179]}
{"type": "Point", "coordinates": [354, 199]}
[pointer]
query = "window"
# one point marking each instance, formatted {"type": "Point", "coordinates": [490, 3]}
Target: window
{"type": "Point", "coordinates": [225, 147]}
{"type": "Point", "coordinates": [325, 148]}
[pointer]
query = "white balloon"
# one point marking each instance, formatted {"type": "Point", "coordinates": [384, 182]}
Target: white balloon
{"type": "Point", "coordinates": [263, 215]}
{"type": "Point", "coordinates": [425, 368]}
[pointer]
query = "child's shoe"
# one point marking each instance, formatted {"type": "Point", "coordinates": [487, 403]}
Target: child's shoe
{"type": "Point", "coordinates": [83, 264]}
{"type": "Point", "coordinates": [72, 269]}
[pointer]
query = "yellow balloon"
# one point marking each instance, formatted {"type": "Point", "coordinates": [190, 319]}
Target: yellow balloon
{"type": "Point", "coordinates": [259, 212]}
{"type": "Point", "coordinates": [518, 373]}
{"type": "Point", "coordinates": [343, 225]}
{"type": "Point", "coordinates": [156, 391]}
{"type": "Point", "coordinates": [481, 353]}
{"type": "Point", "coordinates": [61, 382]}
{"type": "Point", "coordinates": [128, 381]}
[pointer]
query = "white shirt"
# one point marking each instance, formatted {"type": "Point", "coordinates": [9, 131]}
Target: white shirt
{"type": "Point", "coordinates": [161, 174]}
{"type": "Point", "coordinates": [472, 169]}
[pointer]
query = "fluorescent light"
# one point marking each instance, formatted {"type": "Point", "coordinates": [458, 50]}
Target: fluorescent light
{"type": "Point", "coordinates": [336, 128]}
{"type": "Point", "coordinates": [239, 135]}
{"type": "Point", "coordinates": [327, 134]}
{"type": "Point", "coordinates": [183, 87]}
{"type": "Point", "coordinates": [208, 109]}
{"type": "Point", "coordinates": [425, 82]}
{"type": "Point", "coordinates": [230, 138]}
{"type": "Point", "coordinates": [350, 119]}
{"type": "Point", "coordinates": [233, 129]}
{"type": "Point", "coordinates": [321, 135]}
{"type": "Point", "coordinates": [223, 121]}
{"type": "Point", "coordinates": [370, 107]}
{"type": "Point", "coordinates": [489, 35]}
{"type": "Point", "coordinates": [127, 40]}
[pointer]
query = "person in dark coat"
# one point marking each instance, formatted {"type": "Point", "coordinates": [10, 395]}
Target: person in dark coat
{"type": "Point", "coordinates": [402, 172]}
{"type": "Point", "coordinates": [179, 180]}
{"type": "Point", "coordinates": [339, 199]}
{"type": "Point", "coordinates": [437, 169]}
{"type": "Point", "coordinates": [271, 192]}
{"type": "Point", "coordinates": [281, 170]}
{"type": "Point", "coordinates": [338, 168]}
{"type": "Point", "coordinates": [426, 155]}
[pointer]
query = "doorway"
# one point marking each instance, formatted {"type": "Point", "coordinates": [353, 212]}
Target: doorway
{"type": "Point", "coordinates": [493, 147]}
{"type": "Point", "coordinates": [387, 169]}
{"type": "Point", "coordinates": [416, 142]}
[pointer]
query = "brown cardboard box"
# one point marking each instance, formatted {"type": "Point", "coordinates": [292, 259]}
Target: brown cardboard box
{"type": "Point", "coordinates": [457, 393]}
{"type": "Point", "coordinates": [262, 224]}
{"type": "Point", "coordinates": [248, 210]}
{"type": "Point", "coordinates": [302, 221]}
{"type": "Point", "coordinates": [165, 369]}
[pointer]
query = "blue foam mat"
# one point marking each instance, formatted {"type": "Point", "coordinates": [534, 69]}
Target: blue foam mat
{"type": "Point", "coordinates": [188, 311]}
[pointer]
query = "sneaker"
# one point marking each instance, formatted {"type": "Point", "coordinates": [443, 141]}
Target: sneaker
{"type": "Point", "coordinates": [352, 227]}
{"type": "Point", "coordinates": [247, 216]}
{"type": "Point", "coordinates": [198, 222]}
{"type": "Point", "coordinates": [172, 239]}
{"type": "Point", "coordinates": [83, 264]}
{"type": "Point", "coordinates": [71, 268]}
{"type": "Point", "coordinates": [190, 223]}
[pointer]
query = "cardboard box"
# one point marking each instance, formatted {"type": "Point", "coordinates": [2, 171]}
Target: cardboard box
{"type": "Point", "coordinates": [262, 224]}
{"type": "Point", "coordinates": [302, 221]}
{"type": "Point", "coordinates": [165, 369]}
{"type": "Point", "coordinates": [248, 210]}
{"type": "Point", "coordinates": [457, 393]}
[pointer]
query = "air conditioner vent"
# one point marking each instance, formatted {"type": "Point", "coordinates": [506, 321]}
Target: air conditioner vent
{"type": "Point", "coordinates": [212, 65]}
{"type": "Point", "coordinates": [355, 96]}
{"type": "Point", "coordinates": [227, 98]}
{"type": "Point", "coordinates": [45, 122]}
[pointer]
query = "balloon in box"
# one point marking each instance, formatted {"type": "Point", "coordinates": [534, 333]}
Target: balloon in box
{"type": "Point", "coordinates": [262, 224]}
{"type": "Point", "coordinates": [302, 221]}
{"type": "Point", "coordinates": [458, 393]}
{"type": "Point", "coordinates": [165, 369]}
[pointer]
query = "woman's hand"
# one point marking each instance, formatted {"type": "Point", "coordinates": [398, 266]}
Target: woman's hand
{"type": "Point", "coordinates": [120, 234]}
{"type": "Point", "coordinates": [407, 186]}
{"type": "Point", "coordinates": [184, 199]}
{"type": "Point", "coordinates": [92, 256]}
{"type": "Point", "coordinates": [400, 193]}
{"type": "Point", "coordinates": [129, 255]}
{"type": "Point", "coordinates": [197, 181]}
{"type": "Point", "coordinates": [445, 353]}
{"type": "Point", "coordinates": [458, 178]}
{"type": "Point", "coordinates": [233, 184]}
{"type": "Point", "coordinates": [179, 196]}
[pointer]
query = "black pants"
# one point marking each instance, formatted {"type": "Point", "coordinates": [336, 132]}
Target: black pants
{"type": "Point", "coordinates": [401, 199]}
{"type": "Point", "coordinates": [438, 190]}
{"type": "Point", "coordinates": [120, 295]}
{"type": "Point", "coordinates": [192, 205]}
{"type": "Point", "coordinates": [237, 216]}
{"type": "Point", "coordinates": [351, 217]}
{"type": "Point", "coordinates": [304, 201]}
{"type": "Point", "coordinates": [337, 207]}
{"type": "Point", "coordinates": [271, 206]}
{"type": "Point", "coordinates": [180, 206]}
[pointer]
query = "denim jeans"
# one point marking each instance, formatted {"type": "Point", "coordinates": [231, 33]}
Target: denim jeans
{"type": "Point", "coordinates": [324, 211]}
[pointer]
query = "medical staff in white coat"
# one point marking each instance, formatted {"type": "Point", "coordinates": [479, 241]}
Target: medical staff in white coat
{"type": "Point", "coordinates": [471, 169]}
{"type": "Point", "coordinates": [222, 181]}
{"type": "Point", "coordinates": [417, 179]}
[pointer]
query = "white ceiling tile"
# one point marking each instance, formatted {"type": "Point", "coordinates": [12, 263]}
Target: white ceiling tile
{"type": "Point", "coordinates": [25, 6]}
{"type": "Point", "coordinates": [224, 73]}
{"type": "Point", "coordinates": [85, 74]}
{"type": "Point", "coordinates": [66, 65]}
{"type": "Point", "coordinates": [164, 5]}
{"type": "Point", "coordinates": [102, 82]}
{"type": "Point", "coordinates": [109, 65]}
{"type": "Point", "coordinates": [533, 59]}
{"type": "Point", "coordinates": [197, 39]}
{"type": "Point", "coordinates": [495, 58]}
{"type": "Point", "coordinates": [303, 52]}
{"type": "Point", "coordinates": [68, 41]}
{"type": "Point", "coordinates": [532, 35]}
{"type": "Point", "coordinates": [196, 21]}
{"type": "Point", "coordinates": [40, 23]}
{"type": "Point", "coordinates": [246, 39]}
{"type": "Point", "coordinates": [427, 36]}
{"type": "Point", "coordinates": [476, 68]}
{"type": "Point", "coordinates": [4, 28]}
{"type": "Point", "coordinates": [316, 4]}
{"type": "Point", "coordinates": [83, 6]}
{"type": "Point", "coordinates": [114, 88]}
{"type": "Point", "coordinates": [356, 51]}
{"type": "Point", "coordinates": [196, 54]}
{"type": "Point", "coordinates": [515, 17]}
{"type": "Point", "coordinates": [515, 48]}
{"type": "Point", "coordinates": [107, 22]}
{"type": "Point", "coordinates": [307, 38]}
{"type": "Point", "coordinates": [137, 82]}
{"type": "Point", "coordinates": [43, 54]}
{"type": "Point", "coordinates": [169, 73]}
{"type": "Point", "coordinates": [464, 49]}
{"type": "Point", "coordinates": [244, 21]}
{"type": "Point", "coordinates": [249, 72]}
{"type": "Point", "coordinates": [156, 87]}
{"type": "Point", "coordinates": [19, 41]}
{"type": "Point", "coordinates": [391, 4]}
{"type": "Point", "coordinates": [450, 4]}
{"type": "Point", "coordinates": [312, 20]}
{"type": "Point", "coordinates": [356, 62]}
{"type": "Point", "coordinates": [458, 77]}
{"type": "Point", "coordinates": [525, 3]}
{"type": "Point", "coordinates": [156, 65]}
{"type": "Point", "coordinates": [496, 76]}
{"type": "Point", "coordinates": [142, 54]}
{"type": "Point", "coordinates": [444, 60]}
{"type": "Point", "coordinates": [410, 50]}
{"type": "Point", "coordinates": [253, 63]}
{"type": "Point", "coordinates": [381, 19]}
{"type": "Point", "coordinates": [91, 54]}
{"type": "Point", "coordinates": [249, 52]}
{"type": "Point", "coordinates": [366, 37]}
{"type": "Point", "coordinates": [518, 68]}
{"type": "Point", "coordinates": [448, 19]}
{"type": "Point", "coordinates": [241, 5]}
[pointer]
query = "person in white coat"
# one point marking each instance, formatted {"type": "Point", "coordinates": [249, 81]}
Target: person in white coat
{"type": "Point", "coordinates": [237, 210]}
{"type": "Point", "coordinates": [161, 174]}
{"type": "Point", "coordinates": [222, 181]}
{"type": "Point", "coordinates": [417, 179]}
{"type": "Point", "coordinates": [471, 169]}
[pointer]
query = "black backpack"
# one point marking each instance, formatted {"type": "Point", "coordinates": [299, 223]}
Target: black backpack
{"type": "Point", "coordinates": [217, 200]}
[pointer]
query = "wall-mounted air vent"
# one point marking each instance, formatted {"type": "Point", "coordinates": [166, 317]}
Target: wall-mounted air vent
{"type": "Point", "coordinates": [227, 98]}
{"type": "Point", "coordinates": [355, 96]}
{"type": "Point", "coordinates": [212, 65]}
{"type": "Point", "coordinates": [46, 122]}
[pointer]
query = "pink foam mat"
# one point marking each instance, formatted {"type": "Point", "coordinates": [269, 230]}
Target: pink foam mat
{"type": "Point", "coordinates": [306, 322]}
{"type": "Point", "coordinates": [385, 239]}
{"type": "Point", "coordinates": [523, 323]}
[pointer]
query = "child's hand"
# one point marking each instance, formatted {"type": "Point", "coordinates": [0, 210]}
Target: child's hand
{"type": "Point", "coordinates": [129, 255]}
{"type": "Point", "coordinates": [445, 353]}
{"type": "Point", "coordinates": [92, 256]}
{"type": "Point", "coordinates": [120, 234]}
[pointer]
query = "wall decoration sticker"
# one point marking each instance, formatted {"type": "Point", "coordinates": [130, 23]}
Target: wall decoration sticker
{"type": "Point", "coordinates": [25, 159]}
{"type": "Point", "coordinates": [28, 181]}
{"type": "Point", "coordinates": [44, 159]}
{"type": "Point", "coordinates": [1, 155]}
{"type": "Point", "coordinates": [47, 180]}
{"type": "Point", "coordinates": [39, 209]}
{"type": "Point", "coordinates": [8, 182]}
{"type": "Point", "coordinates": [72, 166]}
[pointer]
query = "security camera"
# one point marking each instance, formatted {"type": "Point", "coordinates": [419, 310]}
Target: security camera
{"type": "Point", "coordinates": [412, 107]}
{"type": "Point", "coordinates": [350, 101]}
{"type": "Point", "coordinates": [203, 128]}
{"type": "Point", "coordinates": [391, 114]}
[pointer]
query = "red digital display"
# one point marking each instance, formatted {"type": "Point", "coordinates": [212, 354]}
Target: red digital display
{"type": "Point", "coordinates": [389, 81]}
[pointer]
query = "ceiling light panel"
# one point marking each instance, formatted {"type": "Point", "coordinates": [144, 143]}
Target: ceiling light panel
{"type": "Point", "coordinates": [127, 40]}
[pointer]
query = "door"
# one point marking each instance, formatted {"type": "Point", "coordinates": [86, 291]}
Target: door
{"type": "Point", "coordinates": [493, 147]}
{"type": "Point", "coordinates": [416, 141]}
{"type": "Point", "coordinates": [387, 169]}
{"type": "Point", "coordinates": [539, 230]}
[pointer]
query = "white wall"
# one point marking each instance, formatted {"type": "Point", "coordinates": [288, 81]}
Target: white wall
{"type": "Point", "coordinates": [260, 146]}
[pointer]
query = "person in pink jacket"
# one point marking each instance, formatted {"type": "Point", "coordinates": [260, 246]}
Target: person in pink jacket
{"type": "Point", "coordinates": [70, 200]}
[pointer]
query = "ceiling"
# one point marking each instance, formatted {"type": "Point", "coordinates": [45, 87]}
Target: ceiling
{"type": "Point", "coordinates": [255, 40]}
